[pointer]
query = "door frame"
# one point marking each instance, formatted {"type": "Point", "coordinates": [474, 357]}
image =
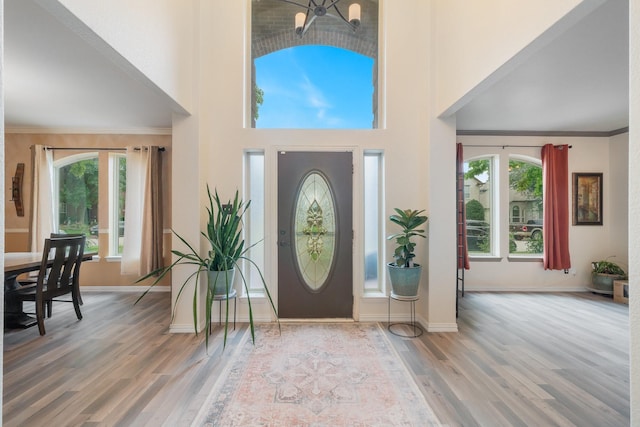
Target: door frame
{"type": "Point", "coordinates": [271, 216]}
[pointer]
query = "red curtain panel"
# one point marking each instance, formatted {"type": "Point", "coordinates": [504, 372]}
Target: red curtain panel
{"type": "Point", "coordinates": [555, 183]}
{"type": "Point", "coordinates": [463, 251]}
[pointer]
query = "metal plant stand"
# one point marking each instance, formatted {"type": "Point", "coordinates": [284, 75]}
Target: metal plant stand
{"type": "Point", "coordinates": [232, 295]}
{"type": "Point", "coordinates": [417, 330]}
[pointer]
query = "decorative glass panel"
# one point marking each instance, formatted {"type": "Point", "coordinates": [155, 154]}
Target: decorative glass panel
{"type": "Point", "coordinates": [315, 229]}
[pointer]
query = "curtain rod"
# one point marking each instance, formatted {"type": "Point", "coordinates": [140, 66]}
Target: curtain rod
{"type": "Point", "coordinates": [97, 148]}
{"type": "Point", "coordinates": [509, 146]}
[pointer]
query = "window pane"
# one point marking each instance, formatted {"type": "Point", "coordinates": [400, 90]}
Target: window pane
{"type": "Point", "coordinates": [525, 200]}
{"type": "Point", "coordinates": [324, 76]}
{"type": "Point", "coordinates": [254, 226]}
{"type": "Point", "coordinates": [116, 221]}
{"type": "Point", "coordinates": [372, 187]}
{"type": "Point", "coordinates": [78, 200]}
{"type": "Point", "coordinates": [307, 98]}
{"type": "Point", "coordinates": [315, 230]}
{"type": "Point", "coordinates": [478, 201]}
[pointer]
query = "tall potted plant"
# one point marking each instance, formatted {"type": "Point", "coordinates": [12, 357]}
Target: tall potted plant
{"type": "Point", "coordinates": [403, 272]}
{"type": "Point", "coordinates": [226, 249]}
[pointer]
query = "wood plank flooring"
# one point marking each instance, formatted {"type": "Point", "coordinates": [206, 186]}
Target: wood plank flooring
{"type": "Point", "coordinates": [520, 359]}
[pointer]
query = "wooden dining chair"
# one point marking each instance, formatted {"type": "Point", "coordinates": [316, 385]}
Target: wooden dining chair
{"type": "Point", "coordinates": [58, 275]}
{"type": "Point", "coordinates": [76, 276]}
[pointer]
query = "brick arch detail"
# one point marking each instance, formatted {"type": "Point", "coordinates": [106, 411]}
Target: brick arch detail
{"type": "Point", "coordinates": [285, 40]}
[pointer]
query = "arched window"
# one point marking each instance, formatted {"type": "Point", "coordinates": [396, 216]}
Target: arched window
{"type": "Point", "coordinates": [525, 197]}
{"type": "Point", "coordinates": [515, 214]}
{"type": "Point", "coordinates": [77, 196]}
{"type": "Point", "coordinates": [324, 76]}
{"type": "Point", "coordinates": [479, 203]}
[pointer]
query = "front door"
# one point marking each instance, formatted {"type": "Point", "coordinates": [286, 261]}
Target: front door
{"type": "Point", "coordinates": [315, 235]}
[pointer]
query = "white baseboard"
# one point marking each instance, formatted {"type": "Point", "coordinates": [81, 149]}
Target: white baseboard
{"type": "Point", "coordinates": [181, 329]}
{"type": "Point", "coordinates": [140, 289]}
{"type": "Point", "coordinates": [534, 289]}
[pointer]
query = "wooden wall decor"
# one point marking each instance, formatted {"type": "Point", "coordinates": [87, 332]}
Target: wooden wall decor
{"type": "Point", "coordinates": [16, 189]}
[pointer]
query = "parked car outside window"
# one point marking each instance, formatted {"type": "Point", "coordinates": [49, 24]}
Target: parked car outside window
{"type": "Point", "coordinates": [93, 230]}
{"type": "Point", "coordinates": [531, 230]}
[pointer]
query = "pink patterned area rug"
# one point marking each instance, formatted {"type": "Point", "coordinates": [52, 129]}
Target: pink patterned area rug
{"type": "Point", "coordinates": [334, 374]}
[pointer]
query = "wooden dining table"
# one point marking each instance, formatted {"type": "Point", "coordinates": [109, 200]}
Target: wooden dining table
{"type": "Point", "coordinates": [15, 264]}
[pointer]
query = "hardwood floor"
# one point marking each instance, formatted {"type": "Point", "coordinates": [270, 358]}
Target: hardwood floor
{"type": "Point", "coordinates": [519, 359]}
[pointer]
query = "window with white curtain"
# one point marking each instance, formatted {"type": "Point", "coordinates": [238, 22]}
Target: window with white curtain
{"type": "Point", "coordinates": [117, 193]}
{"type": "Point", "coordinates": [76, 197]}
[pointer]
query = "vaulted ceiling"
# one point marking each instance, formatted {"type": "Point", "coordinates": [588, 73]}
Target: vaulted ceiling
{"type": "Point", "coordinates": [54, 79]}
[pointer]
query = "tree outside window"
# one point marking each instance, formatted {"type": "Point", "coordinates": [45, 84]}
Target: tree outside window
{"type": "Point", "coordinates": [78, 200]}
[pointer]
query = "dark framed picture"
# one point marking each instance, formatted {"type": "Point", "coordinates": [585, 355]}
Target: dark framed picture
{"type": "Point", "coordinates": [587, 198]}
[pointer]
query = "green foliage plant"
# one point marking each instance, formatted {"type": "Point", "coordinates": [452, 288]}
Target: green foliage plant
{"type": "Point", "coordinates": [226, 249]}
{"type": "Point", "coordinates": [409, 220]}
{"type": "Point", "coordinates": [608, 267]}
{"type": "Point", "coordinates": [474, 210]}
{"type": "Point", "coordinates": [535, 244]}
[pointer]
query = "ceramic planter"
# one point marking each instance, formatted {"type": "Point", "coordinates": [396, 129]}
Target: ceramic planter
{"type": "Point", "coordinates": [219, 280]}
{"type": "Point", "coordinates": [404, 280]}
{"type": "Point", "coordinates": [603, 283]}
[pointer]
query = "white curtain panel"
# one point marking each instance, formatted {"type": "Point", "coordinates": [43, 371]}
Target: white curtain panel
{"type": "Point", "coordinates": [137, 165]}
{"type": "Point", "coordinates": [42, 209]}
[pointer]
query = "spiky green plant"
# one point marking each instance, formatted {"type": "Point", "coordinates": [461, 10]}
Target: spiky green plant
{"type": "Point", "coordinates": [226, 251]}
{"type": "Point", "coordinates": [409, 220]}
{"type": "Point", "coordinates": [607, 267]}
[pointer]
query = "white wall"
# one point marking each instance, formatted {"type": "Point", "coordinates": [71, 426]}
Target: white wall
{"type": "Point", "coordinates": [2, 187]}
{"type": "Point", "coordinates": [479, 42]}
{"type": "Point", "coordinates": [587, 243]}
{"type": "Point", "coordinates": [634, 205]}
{"type": "Point", "coordinates": [156, 37]}
{"type": "Point", "coordinates": [619, 201]}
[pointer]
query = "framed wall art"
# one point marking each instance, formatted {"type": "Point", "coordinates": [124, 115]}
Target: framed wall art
{"type": "Point", "coordinates": [587, 198]}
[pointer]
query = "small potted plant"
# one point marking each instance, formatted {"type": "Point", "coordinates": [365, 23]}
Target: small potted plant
{"type": "Point", "coordinates": [603, 273]}
{"type": "Point", "coordinates": [226, 249]}
{"type": "Point", "coordinates": [404, 273]}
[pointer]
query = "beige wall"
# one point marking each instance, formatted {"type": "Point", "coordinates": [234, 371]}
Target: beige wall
{"type": "Point", "coordinates": [587, 243]}
{"type": "Point", "coordinates": [102, 271]}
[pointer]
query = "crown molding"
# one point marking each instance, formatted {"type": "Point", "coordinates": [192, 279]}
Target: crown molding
{"type": "Point", "coordinates": [88, 131]}
{"type": "Point", "coordinates": [587, 134]}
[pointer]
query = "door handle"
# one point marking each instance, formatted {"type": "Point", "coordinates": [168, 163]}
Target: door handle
{"type": "Point", "coordinates": [283, 241]}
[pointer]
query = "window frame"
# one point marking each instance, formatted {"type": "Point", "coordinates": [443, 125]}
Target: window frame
{"type": "Point", "coordinates": [378, 223]}
{"type": "Point", "coordinates": [523, 216]}
{"type": "Point", "coordinates": [494, 201]}
{"type": "Point", "coordinates": [254, 226]}
{"type": "Point", "coordinates": [61, 163]}
{"type": "Point", "coordinates": [114, 203]}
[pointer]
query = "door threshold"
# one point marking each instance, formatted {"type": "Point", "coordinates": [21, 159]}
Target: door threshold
{"type": "Point", "coordinates": [328, 320]}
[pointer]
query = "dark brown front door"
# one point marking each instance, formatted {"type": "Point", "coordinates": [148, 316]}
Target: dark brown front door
{"type": "Point", "coordinates": [315, 235]}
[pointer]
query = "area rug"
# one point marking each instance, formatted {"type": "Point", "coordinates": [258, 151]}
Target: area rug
{"type": "Point", "coordinates": [338, 374]}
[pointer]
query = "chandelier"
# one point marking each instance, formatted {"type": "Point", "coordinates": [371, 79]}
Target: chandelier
{"type": "Point", "coordinates": [319, 8]}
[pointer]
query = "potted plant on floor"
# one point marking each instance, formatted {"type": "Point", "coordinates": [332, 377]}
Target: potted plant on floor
{"type": "Point", "coordinates": [603, 273]}
{"type": "Point", "coordinates": [226, 249]}
{"type": "Point", "coordinates": [403, 272]}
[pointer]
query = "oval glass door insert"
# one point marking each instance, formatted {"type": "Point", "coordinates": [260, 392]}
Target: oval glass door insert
{"type": "Point", "coordinates": [315, 230]}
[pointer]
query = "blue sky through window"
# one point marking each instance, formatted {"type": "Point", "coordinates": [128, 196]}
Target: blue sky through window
{"type": "Point", "coordinates": [315, 87]}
